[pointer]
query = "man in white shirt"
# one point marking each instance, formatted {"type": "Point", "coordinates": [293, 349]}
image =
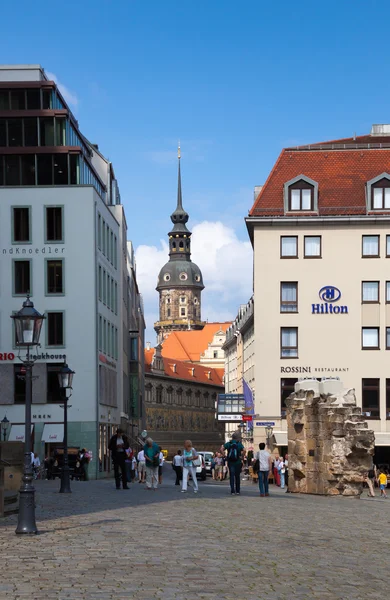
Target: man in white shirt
{"type": "Point", "coordinates": [160, 466]}
{"type": "Point", "coordinates": [141, 467]}
{"type": "Point", "coordinates": [265, 465]}
{"type": "Point", "coordinates": [177, 464]}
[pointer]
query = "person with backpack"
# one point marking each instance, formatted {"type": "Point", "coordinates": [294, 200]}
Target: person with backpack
{"type": "Point", "coordinates": [234, 450]}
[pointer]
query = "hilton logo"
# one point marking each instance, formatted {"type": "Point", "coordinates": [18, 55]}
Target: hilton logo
{"type": "Point", "coordinates": [329, 294]}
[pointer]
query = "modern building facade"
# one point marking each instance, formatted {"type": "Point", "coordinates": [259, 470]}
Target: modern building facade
{"type": "Point", "coordinates": [180, 281]}
{"type": "Point", "coordinates": [64, 241]}
{"type": "Point", "coordinates": [320, 229]}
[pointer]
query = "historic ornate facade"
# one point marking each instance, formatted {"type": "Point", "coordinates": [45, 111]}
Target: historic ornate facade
{"type": "Point", "coordinates": [180, 281]}
{"type": "Point", "coordinates": [181, 402]}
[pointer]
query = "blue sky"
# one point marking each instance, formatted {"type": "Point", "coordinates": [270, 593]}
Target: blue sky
{"type": "Point", "coordinates": [234, 81]}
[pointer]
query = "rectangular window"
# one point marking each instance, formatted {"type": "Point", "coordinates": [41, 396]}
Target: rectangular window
{"type": "Point", "coordinates": [3, 132]}
{"type": "Point", "coordinates": [370, 292]}
{"type": "Point", "coordinates": [104, 336]}
{"type": "Point", "coordinates": [301, 198]}
{"type": "Point", "coordinates": [387, 245]}
{"type": "Point", "coordinates": [15, 132]}
{"type": "Point", "coordinates": [289, 342]}
{"type": "Point", "coordinates": [60, 131]}
{"type": "Point", "coordinates": [100, 332]}
{"type": "Point", "coordinates": [60, 169]}
{"type": "Point", "coordinates": [45, 169]}
{"type": "Point", "coordinates": [54, 224]}
{"type": "Point", "coordinates": [4, 99]}
{"type": "Point", "coordinates": [112, 248]}
{"type": "Point", "coordinates": [74, 169]}
{"type": "Point", "coordinates": [21, 224]}
{"type": "Point", "coordinates": [104, 295]}
{"type": "Point", "coordinates": [55, 329]}
{"type": "Point", "coordinates": [33, 99]}
{"type": "Point", "coordinates": [182, 299]}
{"type": "Point", "coordinates": [55, 276]}
{"type": "Point", "coordinates": [387, 398]}
{"type": "Point", "coordinates": [104, 237]}
{"type": "Point", "coordinates": [312, 246]}
{"type": "Point", "coordinates": [30, 132]}
{"type": "Point", "coordinates": [387, 292]}
{"type": "Point", "coordinates": [47, 131]}
{"type": "Point", "coordinates": [18, 100]}
{"type": "Point", "coordinates": [289, 296]}
{"type": "Point", "coordinates": [387, 338]}
{"type": "Point", "coordinates": [12, 170]}
{"type": "Point", "coordinates": [370, 246]}
{"type": "Point", "coordinates": [287, 386]}
{"type": "Point", "coordinates": [381, 197]}
{"type": "Point", "coordinates": [370, 398]}
{"type": "Point", "coordinates": [115, 251]}
{"type": "Point", "coordinates": [100, 290]}
{"type": "Point", "coordinates": [28, 169]}
{"type": "Point", "coordinates": [116, 298]}
{"type": "Point", "coordinates": [99, 231]}
{"type": "Point", "coordinates": [370, 338]}
{"type": "Point", "coordinates": [183, 312]}
{"type": "Point", "coordinates": [289, 246]}
{"type": "Point", "coordinates": [22, 277]}
{"type": "Point", "coordinates": [19, 384]}
{"type": "Point", "coordinates": [53, 385]}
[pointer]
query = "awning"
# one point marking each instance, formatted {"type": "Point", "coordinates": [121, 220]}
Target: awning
{"type": "Point", "coordinates": [17, 433]}
{"type": "Point", "coordinates": [53, 433]}
{"type": "Point", "coordinates": [382, 439]}
{"type": "Point", "coordinates": [280, 438]}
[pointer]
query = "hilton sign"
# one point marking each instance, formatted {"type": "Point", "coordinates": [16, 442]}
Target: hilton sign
{"type": "Point", "coordinates": [329, 294]}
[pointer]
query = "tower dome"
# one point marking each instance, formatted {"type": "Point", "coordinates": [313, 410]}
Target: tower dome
{"type": "Point", "coordinates": [180, 281]}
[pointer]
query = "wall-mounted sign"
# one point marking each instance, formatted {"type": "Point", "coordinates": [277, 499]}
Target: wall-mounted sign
{"type": "Point", "coordinates": [7, 356]}
{"type": "Point", "coordinates": [247, 417]}
{"type": "Point", "coordinates": [329, 294]}
{"type": "Point", "coordinates": [314, 369]}
{"type": "Point", "coordinates": [265, 423]}
{"type": "Point", "coordinates": [230, 418]}
{"type": "Point", "coordinates": [23, 250]}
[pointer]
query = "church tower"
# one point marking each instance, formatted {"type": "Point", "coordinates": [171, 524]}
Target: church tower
{"type": "Point", "coordinates": [180, 281]}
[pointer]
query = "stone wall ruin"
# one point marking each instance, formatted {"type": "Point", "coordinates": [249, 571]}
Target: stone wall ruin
{"type": "Point", "coordinates": [330, 447]}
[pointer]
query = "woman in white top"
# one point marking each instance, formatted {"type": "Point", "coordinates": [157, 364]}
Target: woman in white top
{"type": "Point", "coordinates": [189, 456]}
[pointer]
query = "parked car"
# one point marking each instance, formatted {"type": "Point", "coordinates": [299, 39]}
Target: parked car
{"type": "Point", "coordinates": [201, 471]}
{"type": "Point", "coordinates": [208, 456]}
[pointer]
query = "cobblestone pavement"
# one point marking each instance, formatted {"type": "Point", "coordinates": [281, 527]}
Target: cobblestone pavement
{"type": "Point", "coordinates": [103, 544]}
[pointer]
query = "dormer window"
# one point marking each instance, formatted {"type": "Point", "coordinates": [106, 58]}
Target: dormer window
{"type": "Point", "coordinates": [378, 193]}
{"type": "Point", "coordinates": [301, 195]}
{"type": "Point", "coordinates": [381, 195]}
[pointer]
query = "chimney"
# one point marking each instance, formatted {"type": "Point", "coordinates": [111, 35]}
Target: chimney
{"type": "Point", "coordinates": [148, 345]}
{"type": "Point", "coordinates": [382, 129]}
{"type": "Point", "coordinates": [256, 191]}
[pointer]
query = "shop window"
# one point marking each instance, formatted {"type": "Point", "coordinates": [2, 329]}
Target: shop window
{"type": "Point", "coordinates": [21, 224]}
{"type": "Point", "coordinates": [19, 384]}
{"type": "Point", "coordinates": [370, 398]}
{"type": "Point", "coordinates": [287, 386]}
{"type": "Point", "coordinates": [55, 328]}
{"type": "Point", "coordinates": [54, 223]}
{"type": "Point", "coordinates": [22, 277]}
{"type": "Point", "coordinates": [55, 277]}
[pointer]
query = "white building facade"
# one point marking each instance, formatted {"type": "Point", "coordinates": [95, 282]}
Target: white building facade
{"type": "Point", "coordinates": [63, 240]}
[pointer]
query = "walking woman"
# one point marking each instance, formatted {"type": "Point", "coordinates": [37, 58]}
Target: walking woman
{"type": "Point", "coordinates": [189, 456]}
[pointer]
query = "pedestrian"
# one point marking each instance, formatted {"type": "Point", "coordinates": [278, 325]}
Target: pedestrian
{"type": "Point", "coordinates": [213, 466]}
{"type": "Point", "coordinates": [141, 466]}
{"type": "Point", "coordinates": [129, 464]}
{"type": "Point", "coordinates": [286, 467]}
{"type": "Point", "coordinates": [160, 466]}
{"type": "Point", "coordinates": [133, 468]}
{"type": "Point", "coordinates": [265, 466]}
{"type": "Point", "coordinates": [234, 450]}
{"type": "Point", "coordinates": [276, 470]}
{"type": "Point", "coordinates": [177, 464]}
{"type": "Point", "coordinates": [382, 480]}
{"type": "Point", "coordinates": [118, 445]}
{"type": "Point", "coordinates": [189, 468]}
{"type": "Point", "coordinates": [36, 465]}
{"type": "Point", "coordinates": [84, 462]}
{"type": "Point", "coordinates": [218, 466]}
{"type": "Point", "coordinates": [282, 473]}
{"type": "Point", "coordinates": [152, 460]}
{"type": "Point", "coordinates": [370, 479]}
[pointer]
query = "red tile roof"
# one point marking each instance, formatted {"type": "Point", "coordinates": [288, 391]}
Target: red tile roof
{"type": "Point", "coordinates": [187, 371]}
{"type": "Point", "coordinates": [341, 175]}
{"type": "Point", "coordinates": [189, 345]}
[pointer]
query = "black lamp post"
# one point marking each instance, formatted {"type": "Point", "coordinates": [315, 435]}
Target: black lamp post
{"type": "Point", "coordinates": [4, 427]}
{"type": "Point", "coordinates": [65, 378]}
{"type": "Point", "coordinates": [28, 324]}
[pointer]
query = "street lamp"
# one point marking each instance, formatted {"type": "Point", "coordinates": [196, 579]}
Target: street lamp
{"type": "Point", "coordinates": [268, 432]}
{"type": "Point", "coordinates": [65, 378]}
{"type": "Point", "coordinates": [4, 427]}
{"type": "Point", "coordinates": [28, 325]}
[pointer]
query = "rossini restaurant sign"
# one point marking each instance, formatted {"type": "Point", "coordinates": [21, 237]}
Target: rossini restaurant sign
{"type": "Point", "coordinates": [314, 370]}
{"type": "Point", "coordinates": [329, 296]}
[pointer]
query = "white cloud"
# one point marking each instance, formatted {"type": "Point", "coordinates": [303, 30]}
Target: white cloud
{"type": "Point", "coordinates": [69, 97]}
{"type": "Point", "coordinates": [226, 264]}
